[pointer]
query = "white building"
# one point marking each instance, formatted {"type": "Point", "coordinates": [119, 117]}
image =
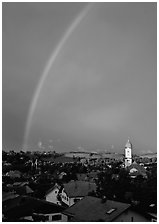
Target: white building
{"type": "Point", "coordinates": [74, 191]}
{"type": "Point", "coordinates": [71, 192]}
{"type": "Point", "coordinates": [128, 153]}
{"type": "Point", "coordinates": [52, 194]}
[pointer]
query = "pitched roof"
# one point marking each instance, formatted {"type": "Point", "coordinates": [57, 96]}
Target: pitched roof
{"type": "Point", "coordinates": [128, 144]}
{"type": "Point", "coordinates": [24, 190]}
{"type": "Point", "coordinates": [140, 170]}
{"type": "Point", "coordinates": [82, 176]}
{"type": "Point", "coordinates": [92, 209]}
{"type": "Point", "coordinates": [25, 206]}
{"type": "Point", "coordinates": [87, 176]}
{"type": "Point", "coordinates": [14, 173]}
{"type": "Point", "coordinates": [8, 195]}
{"type": "Point", "coordinates": [56, 186]}
{"type": "Point", "coordinates": [20, 184]}
{"type": "Point", "coordinates": [79, 188]}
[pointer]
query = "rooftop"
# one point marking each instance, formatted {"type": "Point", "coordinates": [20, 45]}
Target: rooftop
{"type": "Point", "coordinates": [56, 186]}
{"type": "Point", "coordinates": [128, 144]}
{"type": "Point", "coordinates": [79, 188]}
{"type": "Point", "coordinates": [136, 169]}
{"type": "Point", "coordinates": [93, 209]}
{"type": "Point", "coordinates": [8, 195]}
{"type": "Point", "coordinates": [25, 206]}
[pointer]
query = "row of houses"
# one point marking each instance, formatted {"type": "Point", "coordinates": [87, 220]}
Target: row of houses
{"type": "Point", "coordinates": [70, 193]}
{"type": "Point", "coordinates": [88, 209]}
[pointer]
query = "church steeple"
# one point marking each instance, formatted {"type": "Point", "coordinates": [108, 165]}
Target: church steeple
{"type": "Point", "coordinates": [128, 153]}
{"type": "Point", "coordinates": [128, 144]}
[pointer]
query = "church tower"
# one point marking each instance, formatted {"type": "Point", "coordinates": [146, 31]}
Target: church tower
{"type": "Point", "coordinates": [128, 153]}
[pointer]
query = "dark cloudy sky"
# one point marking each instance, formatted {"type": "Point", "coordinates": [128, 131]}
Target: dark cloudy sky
{"type": "Point", "coordinates": [100, 88]}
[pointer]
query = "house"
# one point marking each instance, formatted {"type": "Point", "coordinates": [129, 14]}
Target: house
{"type": "Point", "coordinates": [112, 157]}
{"type": "Point", "coordinates": [92, 209]}
{"type": "Point", "coordinates": [22, 188]}
{"type": "Point", "coordinates": [61, 175]}
{"type": "Point", "coordinates": [13, 174]}
{"type": "Point", "coordinates": [91, 176]}
{"type": "Point", "coordinates": [137, 170]}
{"type": "Point", "coordinates": [52, 194]}
{"type": "Point", "coordinates": [75, 191]}
{"type": "Point", "coordinates": [31, 209]}
{"type": "Point", "coordinates": [82, 176]}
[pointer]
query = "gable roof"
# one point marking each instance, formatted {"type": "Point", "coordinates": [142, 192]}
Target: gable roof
{"type": "Point", "coordinates": [24, 190]}
{"type": "Point", "coordinates": [56, 186]}
{"type": "Point", "coordinates": [14, 173]}
{"type": "Point", "coordinates": [87, 176]}
{"type": "Point", "coordinates": [20, 184]}
{"type": "Point", "coordinates": [79, 188]}
{"type": "Point", "coordinates": [93, 209]}
{"type": "Point", "coordinates": [128, 144]}
{"type": "Point", "coordinates": [8, 195]}
{"type": "Point", "coordinates": [25, 206]}
{"type": "Point", "coordinates": [140, 169]}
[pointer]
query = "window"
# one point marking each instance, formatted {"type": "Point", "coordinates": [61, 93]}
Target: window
{"type": "Point", "coordinates": [110, 211]}
{"type": "Point", "coordinates": [56, 217]}
{"type": "Point", "coordinates": [55, 192]}
{"type": "Point", "coordinates": [132, 219]}
{"type": "Point", "coordinates": [40, 218]}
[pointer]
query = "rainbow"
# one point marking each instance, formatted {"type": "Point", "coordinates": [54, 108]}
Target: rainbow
{"type": "Point", "coordinates": [47, 68]}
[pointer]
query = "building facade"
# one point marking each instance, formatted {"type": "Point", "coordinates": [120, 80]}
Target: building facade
{"type": "Point", "coordinates": [128, 153]}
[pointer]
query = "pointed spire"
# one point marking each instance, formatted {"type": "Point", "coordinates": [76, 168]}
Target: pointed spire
{"type": "Point", "coordinates": [128, 144]}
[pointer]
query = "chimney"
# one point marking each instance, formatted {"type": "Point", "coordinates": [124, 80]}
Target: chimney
{"type": "Point", "coordinates": [104, 199]}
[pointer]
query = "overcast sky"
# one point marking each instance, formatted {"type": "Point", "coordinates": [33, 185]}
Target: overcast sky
{"type": "Point", "coordinates": [101, 86]}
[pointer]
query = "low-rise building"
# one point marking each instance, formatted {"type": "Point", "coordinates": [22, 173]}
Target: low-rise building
{"type": "Point", "coordinates": [92, 209]}
{"type": "Point", "coordinates": [14, 174]}
{"type": "Point", "coordinates": [91, 176]}
{"type": "Point", "coordinates": [136, 170]}
{"type": "Point", "coordinates": [52, 194]}
{"type": "Point", "coordinates": [31, 209]}
{"type": "Point", "coordinates": [75, 191]}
